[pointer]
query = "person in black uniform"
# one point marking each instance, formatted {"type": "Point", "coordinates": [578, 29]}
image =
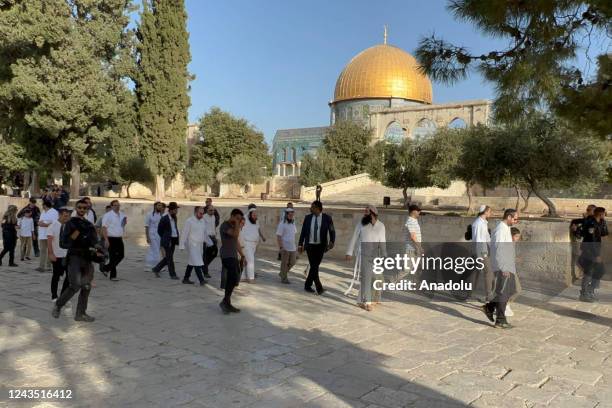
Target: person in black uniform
{"type": "Point", "coordinates": [9, 234]}
{"type": "Point", "coordinates": [593, 229]}
{"type": "Point", "coordinates": [79, 237]}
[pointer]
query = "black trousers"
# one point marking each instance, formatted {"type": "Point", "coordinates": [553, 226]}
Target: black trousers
{"type": "Point", "coordinates": [315, 256]}
{"type": "Point", "coordinates": [198, 271]}
{"type": "Point", "coordinates": [59, 268]}
{"type": "Point", "coordinates": [168, 259]}
{"type": "Point", "coordinates": [116, 252]}
{"type": "Point", "coordinates": [232, 276]}
{"type": "Point", "coordinates": [10, 242]}
{"type": "Point", "coordinates": [80, 274]}
{"type": "Point", "coordinates": [504, 288]}
{"type": "Point", "coordinates": [35, 241]}
{"type": "Point", "coordinates": [210, 253]}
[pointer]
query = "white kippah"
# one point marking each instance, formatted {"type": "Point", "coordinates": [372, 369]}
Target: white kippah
{"type": "Point", "coordinates": [482, 209]}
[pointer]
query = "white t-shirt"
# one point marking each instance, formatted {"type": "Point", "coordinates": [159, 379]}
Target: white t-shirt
{"type": "Point", "coordinates": [26, 226]}
{"type": "Point", "coordinates": [54, 231]}
{"type": "Point", "coordinates": [114, 223]}
{"type": "Point", "coordinates": [47, 217]}
{"type": "Point", "coordinates": [250, 232]}
{"type": "Point", "coordinates": [287, 233]}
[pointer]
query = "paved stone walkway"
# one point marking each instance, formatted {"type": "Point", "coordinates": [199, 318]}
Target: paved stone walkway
{"type": "Point", "coordinates": [159, 343]}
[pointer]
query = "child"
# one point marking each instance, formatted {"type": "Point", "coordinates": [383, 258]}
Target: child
{"type": "Point", "coordinates": [26, 233]}
{"type": "Point", "coordinates": [516, 237]}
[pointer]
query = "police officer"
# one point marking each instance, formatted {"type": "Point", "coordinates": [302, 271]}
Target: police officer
{"type": "Point", "coordinates": [593, 228]}
{"type": "Point", "coordinates": [79, 238]}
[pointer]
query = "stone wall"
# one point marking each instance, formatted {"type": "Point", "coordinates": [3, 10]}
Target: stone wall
{"type": "Point", "coordinates": [550, 263]}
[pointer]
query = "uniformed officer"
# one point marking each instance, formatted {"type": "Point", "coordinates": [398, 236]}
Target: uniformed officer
{"type": "Point", "coordinates": [593, 229]}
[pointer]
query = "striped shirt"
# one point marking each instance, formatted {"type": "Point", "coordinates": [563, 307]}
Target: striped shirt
{"type": "Point", "coordinates": [411, 226]}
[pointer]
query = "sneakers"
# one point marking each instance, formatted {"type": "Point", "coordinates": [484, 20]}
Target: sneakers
{"type": "Point", "coordinates": [174, 277]}
{"type": "Point", "coordinates": [84, 318]}
{"type": "Point", "coordinates": [587, 298]}
{"type": "Point", "coordinates": [487, 312]}
{"type": "Point", "coordinates": [188, 282]}
{"type": "Point", "coordinates": [55, 312]}
{"type": "Point", "coordinates": [233, 309]}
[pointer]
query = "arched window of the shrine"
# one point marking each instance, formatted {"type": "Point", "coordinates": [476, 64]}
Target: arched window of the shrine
{"type": "Point", "coordinates": [285, 154]}
{"type": "Point", "coordinates": [394, 133]}
{"type": "Point", "coordinates": [294, 155]}
{"type": "Point", "coordinates": [457, 123]}
{"type": "Point", "coordinates": [423, 129]}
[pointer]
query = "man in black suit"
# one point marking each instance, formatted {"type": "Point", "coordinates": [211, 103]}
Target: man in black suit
{"type": "Point", "coordinates": [314, 238]}
{"type": "Point", "coordinates": [169, 239]}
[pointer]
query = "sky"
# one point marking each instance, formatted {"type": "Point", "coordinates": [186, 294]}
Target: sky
{"type": "Point", "coordinates": [275, 62]}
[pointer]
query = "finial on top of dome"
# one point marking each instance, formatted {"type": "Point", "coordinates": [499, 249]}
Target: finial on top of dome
{"type": "Point", "coordinates": [385, 35]}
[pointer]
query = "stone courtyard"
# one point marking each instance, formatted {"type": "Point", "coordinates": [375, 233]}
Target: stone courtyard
{"type": "Point", "coordinates": [160, 343]}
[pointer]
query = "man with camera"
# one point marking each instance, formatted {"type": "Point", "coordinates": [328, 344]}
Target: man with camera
{"type": "Point", "coordinates": [79, 237]}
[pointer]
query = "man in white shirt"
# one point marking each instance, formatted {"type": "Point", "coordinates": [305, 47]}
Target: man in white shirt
{"type": "Point", "coordinates": [47, 216]}
{"type": "Point", "coordinates": [370, 237]}
{"type": "Point", "coordinates": [412, 234]}
{"type": "Point", "coordinates": [210, 251]}
{"type": "Point", "coordinates": [481, 240]}
{"type": "Point", "coordinates": [504, 266]}
{"type": "Point", "coordinates": [26, 233]}
{"type": "Point", "coordinates": [285, 236]}
{"type": "Point", "coordinates": [193, 237]}
{"type": "Point", "coordinates": [113, 227]}
{"type": "Point", "coordinates": [56, 253]}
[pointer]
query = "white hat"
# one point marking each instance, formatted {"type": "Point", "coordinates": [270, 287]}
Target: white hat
{"type": "Point", "coordinates": [482, 209]}
{"type": "Point", "coordinates": [372, 209]}
{"type": "Point", "coordinates": [289, 209]}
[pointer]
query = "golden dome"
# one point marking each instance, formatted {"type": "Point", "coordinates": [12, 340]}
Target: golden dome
{"type": "Point", "coordinates": [383, 71]}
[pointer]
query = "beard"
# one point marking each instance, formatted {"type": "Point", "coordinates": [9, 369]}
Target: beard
{"type": "Point", "coordinates": [366, 219]}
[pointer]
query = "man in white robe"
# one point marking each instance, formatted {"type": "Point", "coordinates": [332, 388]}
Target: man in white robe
{"type": "Point", "coordinates": [370, 236]}
{"type": "Point", "coordinates": [193, 237]}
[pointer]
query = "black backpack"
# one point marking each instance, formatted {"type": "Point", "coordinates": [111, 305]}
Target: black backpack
{"type": "Point", "coordinates": [468, 233]}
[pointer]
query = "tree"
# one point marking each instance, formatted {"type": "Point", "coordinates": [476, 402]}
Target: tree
{"type": "Point", "coordinates": [546, 153]}
{"type": "Point", "coordinates": [478, 163]}
{"type": "Point", "coordinates": [197, 175]}
{"type": "Point", "coordinates": [226, 138]}
{"type": "Point", "coordinates": [13, 161]}
{"type": "Point", "coordinates": [319, 168]}
{"type": "Point", "coordinates": [60, 86]}
{"type": "Point", "coordinates": [542, 37]}
{"type": "Point", "coordinates": [245, 171]}
{"type": "Point", "coordinates": [162, 86]}
{"type": "Point", "coordinates": [134, 170]}
{"type": "Point", "coordinates": [348, 142]}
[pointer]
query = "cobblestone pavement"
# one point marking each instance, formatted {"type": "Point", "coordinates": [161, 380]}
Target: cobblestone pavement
{"type": "Point", "coordinates": [159, 343]}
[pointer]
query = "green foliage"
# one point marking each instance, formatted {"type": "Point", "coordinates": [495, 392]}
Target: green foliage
{"type": "Point", "coordinates": [13, 160]}
{"type": "Point", "coordinates": [58, 84]}
{"type": "Point", "coordinates": [589, 105]}
{"type": "Point", "coordinates": [162, 84]}
{"type": "Point", "coordinates": [345, 152]}
{"type": "Point", "coordinates": [198, 175]}
{"type": "Point", "coordinates": [244, 170]}
{"type": "Point", "coordinates": [134, 169]}
{"type": "Point", "coordinates": [319, 168]}
{"type": "Point", "coordinates": [478, 162]}
{"type": "Point", "coordinates": [533, 69]}
{"type": "Point", "coordinates": [226, 139]}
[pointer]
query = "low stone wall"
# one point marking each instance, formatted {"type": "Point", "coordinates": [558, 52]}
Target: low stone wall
{"type": "Point", "coordinates": [565, 206]}
{"type": "Point", "coordinates": [336, 186]}
{"type": "Point", "coordinates": [553, 264]}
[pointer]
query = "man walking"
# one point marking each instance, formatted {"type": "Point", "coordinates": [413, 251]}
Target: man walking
{"type": "Point", "coordinates": [113, 227]}
{"type": "Point", "coordinates": [169, 239]}
{"type": "Point", "coordinates": [481, 240]}
{"type": "Point", "coordinates": [57, 254]}
{"type": "Point", "coordinates": [78, 237]}
{"type": "Point", "coordinates": [48, 215]}
{"type": "Point", "coordinates": [194, 237]}
{"type": "Point", "coordinates": [314, 238]}
{"type": "Point", "coordinates": [593, 229]}
{"type": "Point", "coordinates": [209, 203]}
{"type": "Point", "coordinates": [285, 235]}
{"type": "Point", "coordinates": [26, 234]}
{"type": "Point", "coordinates": [210, 251]}
{"type": "Point", "coordinates": [35, 217]}
{"type": "Point", "coordinates": [230, 249]}
{"type": "Point", "coordinates": [504, 266]}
